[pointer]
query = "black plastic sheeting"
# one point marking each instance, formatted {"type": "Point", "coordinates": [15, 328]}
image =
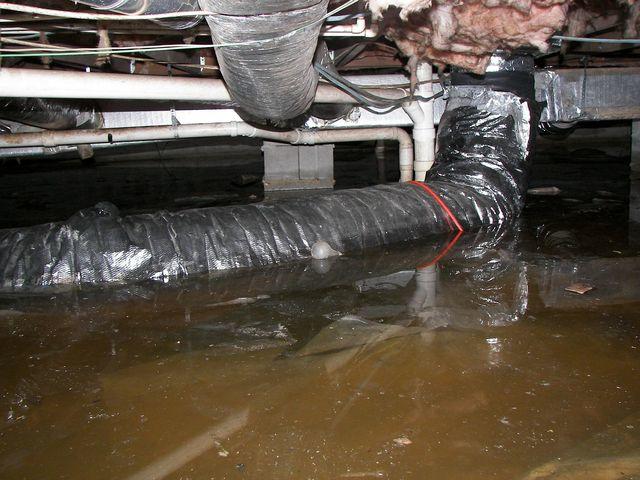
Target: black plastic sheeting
{"type": "Point", "coordinates": [268, 65]}
{"type": "Point", "coordinates": [51, 114]}
{"type": "Point", "coordinates": [480, 174]}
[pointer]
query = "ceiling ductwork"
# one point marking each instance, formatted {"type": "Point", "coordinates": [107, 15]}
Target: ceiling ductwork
{"type": "Point", "coordinates": [150, 7]}
{"type": "Point", "coordinates": [265, 51]}
{"type": "Point", "coordinates": [51, 114]}
{"type": "Point", "coordinates": [268, 63]}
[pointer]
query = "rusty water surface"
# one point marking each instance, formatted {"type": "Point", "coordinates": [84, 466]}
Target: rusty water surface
{"type": "Point", "coordinates": [404, 363]}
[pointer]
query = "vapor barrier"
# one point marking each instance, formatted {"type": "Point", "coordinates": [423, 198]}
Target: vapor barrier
{"type": "Point", "coordinates": [479, 179]}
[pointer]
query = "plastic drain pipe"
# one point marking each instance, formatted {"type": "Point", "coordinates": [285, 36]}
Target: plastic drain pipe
{"type": "Point", "coordinates": [28, 83]}
{"type": "Point", "coordinates": [424, 132]}
{"type": "Point", "coordinates": [231, 129]}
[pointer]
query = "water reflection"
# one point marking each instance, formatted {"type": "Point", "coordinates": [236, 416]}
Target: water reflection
{"type": "Point", "coordinates": [458, 355]}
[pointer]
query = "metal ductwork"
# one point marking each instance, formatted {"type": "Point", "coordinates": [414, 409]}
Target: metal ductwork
{"type": "Point", "coordinates": [268, 65]}
{"type": "Point", "coordinates": [51, 114]}
{"type": "Point", "coordinates": [150, 7]}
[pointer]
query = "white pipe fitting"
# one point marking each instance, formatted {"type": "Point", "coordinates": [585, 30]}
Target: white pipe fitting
{"type": "Point", "coordinates": [231, 129]}
{"type": "Point", "coordinates": [424, 133]}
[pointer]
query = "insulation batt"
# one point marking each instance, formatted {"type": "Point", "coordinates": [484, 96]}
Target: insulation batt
{"type": "Point", "coordinates": [466, 33]}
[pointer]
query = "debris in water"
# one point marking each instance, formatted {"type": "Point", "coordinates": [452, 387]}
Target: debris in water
{"type": "Point", "coordinates": [222, 452]}
{"type": "Point", "coordinates": [548, 191]}
{"type": "Point", "coordinates": [580, 288]}
{"type": "Point", "coordinates": [362, 474]}
{"type": "Point", "coordinates": [402, 441]}
{"type": "Point", "coordinates": [193, 448]}
{"type": "Point", "coordinates": [606, 193]}
{"type": "Point", "coordinates": [203, 200]}
{"type": "Point", "coordinates": [245, 180]}
{"type": "Point", "coordinates": [387, 282]}
{"type": "Point", "coordinates": [613, 454]}
{"type": "Point", "coordinates": [321, 250]}
{"type": "Point", "coordinates": [239, 301]}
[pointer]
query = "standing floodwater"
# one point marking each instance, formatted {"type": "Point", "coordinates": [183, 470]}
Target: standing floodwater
{"type": "Point", "coordinates": [471, 357]}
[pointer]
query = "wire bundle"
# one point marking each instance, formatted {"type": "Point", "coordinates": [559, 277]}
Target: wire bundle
{"type": "Point", "coordinates": [367, 99]}
{"type": "Point", "coordinates": [57, 51]}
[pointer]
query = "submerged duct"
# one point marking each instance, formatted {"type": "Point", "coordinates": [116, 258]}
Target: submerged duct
{"type": "Point", "coordinates": [150, 7]}
{"type": "Point", "coordinates": [50, 114]}
{"type": "Point", "coordinates": [268, 63]}
{"type": "Point", "coordinates": [480, 178]}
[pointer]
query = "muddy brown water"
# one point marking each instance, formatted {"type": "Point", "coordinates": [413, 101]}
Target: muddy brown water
{"type": "Point", "coordinates": [395, 364]}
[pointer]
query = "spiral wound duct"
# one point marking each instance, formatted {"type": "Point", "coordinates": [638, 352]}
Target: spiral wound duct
{"type": "Point", "coordinates": [151, 7]}
{"type": "Point", "coordinates": [270, 73]}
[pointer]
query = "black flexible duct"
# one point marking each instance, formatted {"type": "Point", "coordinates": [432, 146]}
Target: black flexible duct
{"type": "Point", "coordinates": [150, 7]}
{"type": "Point", "coordinates": [50, 114]}
{"type": "Point", "coordinates": [480, 178]}
{"type": "Point", "coordinates": [268, 61]}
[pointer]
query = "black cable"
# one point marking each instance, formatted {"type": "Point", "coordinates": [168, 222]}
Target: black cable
{"type": "Point", "coordinates": [364, 97]}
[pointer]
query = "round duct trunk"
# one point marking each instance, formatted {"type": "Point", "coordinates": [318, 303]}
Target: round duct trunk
{"type": "Point", "coordinates": [268, 63]}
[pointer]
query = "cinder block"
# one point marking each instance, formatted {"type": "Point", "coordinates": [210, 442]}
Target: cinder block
{"type": "Point", "coordinates": [297, 167]}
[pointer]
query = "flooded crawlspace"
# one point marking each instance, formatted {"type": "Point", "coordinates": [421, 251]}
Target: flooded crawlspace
{"type": "Point", "coordinates": [511, 353]}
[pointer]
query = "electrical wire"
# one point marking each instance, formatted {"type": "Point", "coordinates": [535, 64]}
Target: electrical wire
{"type": "Point", "coordinates": [104, 51]}
{"type": "Point", "coordinates": [129, 17]}
{"type": "Point", "coordinates": [596, 40]}
{"type": "Point", "coordinates": [48, 12]}
{"type": "Point", "coordinates": [366, 98]}
{"type": "Point", "coordinates": [13, 53]}
{"type": "Point", "coordinates": [115, 55]}
{"type": "Point", "coordinates": [395, 86]}
{"type": "Point", "coordinates": [41, 47]}
{"type": "Point", "coordinates": [23, 41]}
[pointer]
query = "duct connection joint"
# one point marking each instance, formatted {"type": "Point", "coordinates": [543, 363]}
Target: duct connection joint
{"type": "Point", "coordinates": [424, 132]}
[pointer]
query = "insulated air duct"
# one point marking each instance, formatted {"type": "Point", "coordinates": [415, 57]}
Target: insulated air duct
{"type": "Point", "coordinates": [50, 114]}
{"type": "Point", "coordinates": [150, 7]}
{"type": "Point", "coordinates": [479, 178]}
{"type": "Point", "coordinates": [267, 64]}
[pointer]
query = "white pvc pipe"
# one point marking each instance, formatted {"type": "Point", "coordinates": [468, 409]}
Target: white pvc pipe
{"type": "Point", "coordinates": [31, 83]}
{"type": "Point", "coordinates": [424, 133]}
{"type": "Point", "coordinates": [426, 290]}
{"type": "Point", "coordinates": [416, 114]}
{"type": "Point", "coordinates": [26, 152]}
{"type": "Point", "coordinates": [357, 29]}
{"type": "Point", "coordinates": [230, 129]}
